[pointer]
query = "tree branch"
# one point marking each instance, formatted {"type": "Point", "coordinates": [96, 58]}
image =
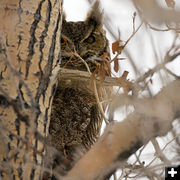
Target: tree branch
{"type": "Point", "coordinates": [152, 118]}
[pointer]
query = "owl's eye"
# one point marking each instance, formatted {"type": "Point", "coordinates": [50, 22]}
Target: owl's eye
{"type": "Point", "coordinates": [90, 39]}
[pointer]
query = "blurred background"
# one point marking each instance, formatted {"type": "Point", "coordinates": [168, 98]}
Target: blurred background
{"type": "Point", "coordinates": [157, 37]}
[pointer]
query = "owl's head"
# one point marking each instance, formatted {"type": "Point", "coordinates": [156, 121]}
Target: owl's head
{"type": "Point", "coordinates": [87, 38]}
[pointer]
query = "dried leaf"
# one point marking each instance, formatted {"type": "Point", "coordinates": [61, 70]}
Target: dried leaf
{"type": "Point", "coordinates": [116, 64]}
{"type": "Point", "coordinates": [170, 3]}
{"type": "Point", "coordinates": [115, 46]}
{"type": "Point", "coordinates": [151, 81]}
{"type": "Point", "coordinates": [125, 73]}
{"type": "Point", "coordinates": [121, 59]}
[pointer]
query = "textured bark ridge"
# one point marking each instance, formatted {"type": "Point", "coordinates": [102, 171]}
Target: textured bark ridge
{"type": "Point", "coordinates": [29, 58]}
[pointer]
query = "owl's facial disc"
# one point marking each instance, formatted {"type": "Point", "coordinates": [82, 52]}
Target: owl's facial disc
{"type": "Point", "coordinates": [89, 49]}
{"type": "Point", "coordinates": [87, 38]}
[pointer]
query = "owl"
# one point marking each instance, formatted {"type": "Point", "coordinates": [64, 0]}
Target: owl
{"type": "Point", "coordinates": [75, 118]}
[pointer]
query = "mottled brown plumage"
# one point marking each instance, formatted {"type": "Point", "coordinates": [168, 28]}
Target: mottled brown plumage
{"type": "Point", "coordinates": [75, 117]}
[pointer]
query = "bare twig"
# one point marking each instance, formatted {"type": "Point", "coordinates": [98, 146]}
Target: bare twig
{"type": "Point", "coordinates": [168, 58]}
{"type": "Point", "coordinates": [94, 86]}
{"type": "Point", "coordinates": [159, 153]}
{"type": "Point", "coordinates": [177, 136]}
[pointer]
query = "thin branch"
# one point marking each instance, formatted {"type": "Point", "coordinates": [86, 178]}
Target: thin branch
{"type": "Point", "coordinates": [158, 67]}
{"type": "Point", "coordinates": [94, 86]}
{"type": "Point", "coordinates": [98, 102]}
{"type": "Point", "coordinates": [134, 32]}
{"type": "Point", "coordinates": [83, 61]}
{"type": "Point", "coordinates": [171, 73]}
{"type": "Point", "coordinates": [159, 152]}
{"type": "Point", "coordinates": [177, 136]}
{"type": "Point", "coordinates": [163, 30]}
{"type": "Point", "coordinates": [85, 76]}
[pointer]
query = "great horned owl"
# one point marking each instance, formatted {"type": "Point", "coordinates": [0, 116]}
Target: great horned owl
{"type": "Point", "coordinates": [75, 117]}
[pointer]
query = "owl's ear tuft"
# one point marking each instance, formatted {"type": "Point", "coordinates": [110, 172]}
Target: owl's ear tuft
{"type": "Point", "coordinates": [94, 16]}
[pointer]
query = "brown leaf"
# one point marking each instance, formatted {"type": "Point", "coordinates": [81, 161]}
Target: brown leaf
{"type": "Point", "coordinates": [115, 46]}
{"type": "Point", "coordinates": [151, 81]}
{"type": "Point", "coordinates": [125, 73]}
{"type": "Point", "coordinates": [116, 64]}
{"type": "Point", "coordinates": [170, 3]}
{"type": "Point", "coordinates": [121, 59]}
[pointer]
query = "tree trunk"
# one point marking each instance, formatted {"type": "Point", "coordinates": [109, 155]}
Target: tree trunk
{"type": "Point", "coordinates": [29, 59]}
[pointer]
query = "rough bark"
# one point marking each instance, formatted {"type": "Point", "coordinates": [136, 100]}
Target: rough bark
{"type": "Point", "coordinates": [29, 58]}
